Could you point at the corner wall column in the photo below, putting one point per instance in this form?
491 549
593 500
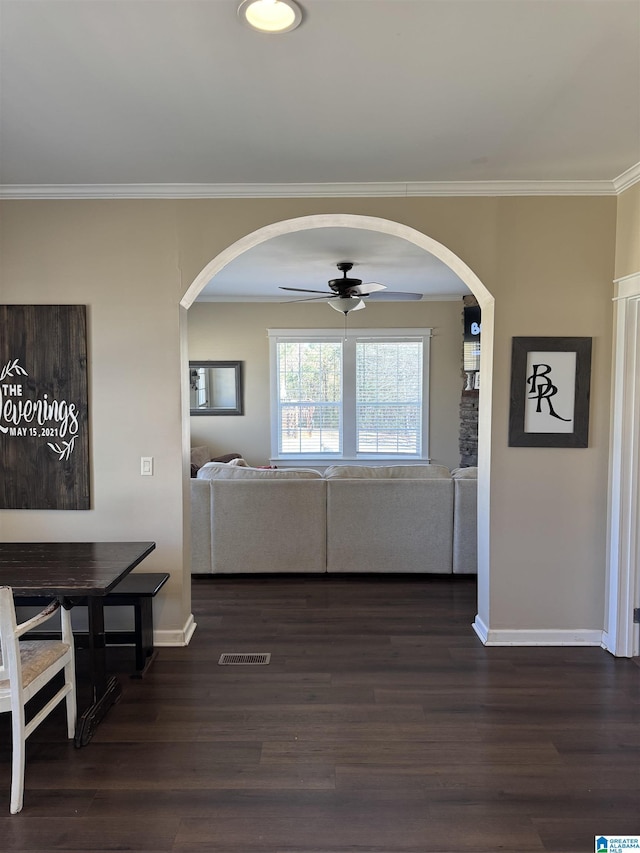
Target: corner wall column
622 636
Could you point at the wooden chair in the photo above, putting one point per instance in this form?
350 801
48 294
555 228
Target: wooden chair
25 668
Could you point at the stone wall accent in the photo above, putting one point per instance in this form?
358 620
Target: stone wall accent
468 442
468 438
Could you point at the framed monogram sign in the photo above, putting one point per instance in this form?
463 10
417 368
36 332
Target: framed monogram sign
550 386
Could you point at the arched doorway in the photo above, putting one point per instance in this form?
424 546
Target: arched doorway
486 302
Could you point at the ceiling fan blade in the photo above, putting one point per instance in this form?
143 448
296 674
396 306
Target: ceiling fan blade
366 289
395 296
311 299
306 290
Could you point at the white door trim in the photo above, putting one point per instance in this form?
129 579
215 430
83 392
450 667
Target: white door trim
621 636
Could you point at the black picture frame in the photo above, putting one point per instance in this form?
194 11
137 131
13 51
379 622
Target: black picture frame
215 388
524 390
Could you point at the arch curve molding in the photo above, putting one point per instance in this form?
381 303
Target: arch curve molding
486 302
338 220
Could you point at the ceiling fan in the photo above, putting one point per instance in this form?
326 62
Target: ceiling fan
351 292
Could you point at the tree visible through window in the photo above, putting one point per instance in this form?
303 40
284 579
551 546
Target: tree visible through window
347 398
309 396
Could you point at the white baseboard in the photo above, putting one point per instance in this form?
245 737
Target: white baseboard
505 637
175 638
537 637
608 642
481 629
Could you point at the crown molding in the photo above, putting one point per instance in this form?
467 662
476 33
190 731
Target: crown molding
324 190
510 188
336 190
627 179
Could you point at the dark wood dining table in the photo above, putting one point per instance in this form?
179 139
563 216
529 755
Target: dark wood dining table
76 573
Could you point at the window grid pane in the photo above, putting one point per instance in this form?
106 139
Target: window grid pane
310 428
389 397
309 397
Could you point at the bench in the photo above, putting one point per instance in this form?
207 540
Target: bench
136 590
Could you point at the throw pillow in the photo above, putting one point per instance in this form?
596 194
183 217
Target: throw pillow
200 455
227 457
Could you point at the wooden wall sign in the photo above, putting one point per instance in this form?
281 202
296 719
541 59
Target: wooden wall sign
44 430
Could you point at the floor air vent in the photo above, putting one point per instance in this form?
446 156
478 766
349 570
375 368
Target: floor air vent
245 659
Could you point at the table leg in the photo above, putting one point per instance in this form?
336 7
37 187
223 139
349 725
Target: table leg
106 689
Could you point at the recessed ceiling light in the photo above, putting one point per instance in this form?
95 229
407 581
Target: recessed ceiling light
270 16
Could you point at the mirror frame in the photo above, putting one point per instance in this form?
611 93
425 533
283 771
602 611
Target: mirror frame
236 366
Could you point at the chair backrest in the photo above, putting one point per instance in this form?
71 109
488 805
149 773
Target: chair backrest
9 654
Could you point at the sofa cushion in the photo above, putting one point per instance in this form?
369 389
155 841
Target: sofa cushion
390 525
268 525
470 473
217 471
387 472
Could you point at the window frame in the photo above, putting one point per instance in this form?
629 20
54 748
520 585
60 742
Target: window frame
348 409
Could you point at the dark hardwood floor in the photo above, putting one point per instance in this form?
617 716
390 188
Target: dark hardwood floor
381 725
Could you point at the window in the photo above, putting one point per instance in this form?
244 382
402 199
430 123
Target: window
360 397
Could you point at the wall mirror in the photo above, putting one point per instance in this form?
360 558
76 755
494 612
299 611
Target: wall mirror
215 387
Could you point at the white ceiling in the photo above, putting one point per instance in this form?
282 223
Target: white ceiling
308 259
176 97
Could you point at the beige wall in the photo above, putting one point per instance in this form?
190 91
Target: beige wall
219 330
548 506
628 233
549 262
118 258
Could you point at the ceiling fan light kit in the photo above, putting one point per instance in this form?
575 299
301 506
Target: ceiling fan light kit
345 304
270 16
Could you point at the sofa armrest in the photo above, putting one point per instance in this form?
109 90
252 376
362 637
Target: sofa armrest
200 527
465 526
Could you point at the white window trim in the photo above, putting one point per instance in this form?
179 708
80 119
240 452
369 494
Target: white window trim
302 335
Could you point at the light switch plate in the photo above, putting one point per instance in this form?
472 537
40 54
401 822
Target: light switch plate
146 466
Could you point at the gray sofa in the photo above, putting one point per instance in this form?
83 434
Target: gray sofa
351 519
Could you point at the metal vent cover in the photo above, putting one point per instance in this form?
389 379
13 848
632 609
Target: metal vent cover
244 659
